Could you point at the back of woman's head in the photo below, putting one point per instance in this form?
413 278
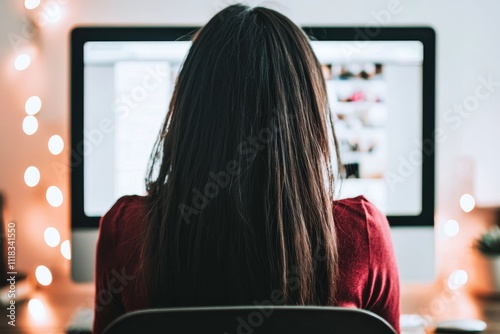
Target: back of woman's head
240 185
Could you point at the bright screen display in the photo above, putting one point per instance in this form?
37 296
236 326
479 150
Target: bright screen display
374 91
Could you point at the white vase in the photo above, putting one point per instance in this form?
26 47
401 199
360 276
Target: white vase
495 269
485 279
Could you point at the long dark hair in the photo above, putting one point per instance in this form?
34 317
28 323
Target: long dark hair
241 182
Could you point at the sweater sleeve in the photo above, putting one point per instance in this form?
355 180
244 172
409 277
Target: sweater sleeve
107 305
383 289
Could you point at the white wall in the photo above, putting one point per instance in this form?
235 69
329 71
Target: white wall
467 50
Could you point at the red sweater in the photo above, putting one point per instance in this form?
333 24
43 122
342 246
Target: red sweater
368 274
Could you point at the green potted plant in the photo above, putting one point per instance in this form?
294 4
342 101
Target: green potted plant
488 242
487 245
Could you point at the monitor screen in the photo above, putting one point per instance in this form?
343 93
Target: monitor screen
128 86
380 94
375 96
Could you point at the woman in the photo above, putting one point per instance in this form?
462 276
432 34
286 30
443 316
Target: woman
240 191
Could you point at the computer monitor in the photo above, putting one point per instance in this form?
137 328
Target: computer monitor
380 84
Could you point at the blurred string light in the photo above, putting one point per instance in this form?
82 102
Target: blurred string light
52 237
467 202
47 12
31 4
36 309
54 13
56 144
43 275
33 105
32 176
451 228
30 125
54 196
22 62
457 279
66 249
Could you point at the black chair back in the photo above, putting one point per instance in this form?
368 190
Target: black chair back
251 320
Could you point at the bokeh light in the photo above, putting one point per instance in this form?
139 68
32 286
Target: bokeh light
66 249
22 62
43 275
36 309
33 105
31 176
31 4
54 196
467 202
54 14
451 228
457 279
56 144
52 236
30 125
